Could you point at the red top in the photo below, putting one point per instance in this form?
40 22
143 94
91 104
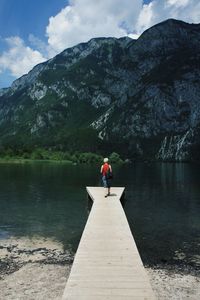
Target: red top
105 169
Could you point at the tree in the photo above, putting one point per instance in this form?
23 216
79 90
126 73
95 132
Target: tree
115 158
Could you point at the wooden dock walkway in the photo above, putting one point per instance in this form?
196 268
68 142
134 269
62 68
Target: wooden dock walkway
107 265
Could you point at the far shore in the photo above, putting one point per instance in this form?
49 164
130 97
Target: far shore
70 162
28 161
49 156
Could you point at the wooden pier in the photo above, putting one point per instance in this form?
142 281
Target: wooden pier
107 264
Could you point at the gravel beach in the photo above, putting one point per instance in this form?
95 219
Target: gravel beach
37 269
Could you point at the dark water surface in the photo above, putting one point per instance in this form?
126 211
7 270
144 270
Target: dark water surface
162 206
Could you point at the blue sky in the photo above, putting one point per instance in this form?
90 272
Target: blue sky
22 18
32 31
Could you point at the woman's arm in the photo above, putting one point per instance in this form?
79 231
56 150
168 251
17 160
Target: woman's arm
101 169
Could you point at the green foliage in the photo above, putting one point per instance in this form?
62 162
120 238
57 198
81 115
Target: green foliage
26 155
115 158
88 158
9 152
37 154
51 155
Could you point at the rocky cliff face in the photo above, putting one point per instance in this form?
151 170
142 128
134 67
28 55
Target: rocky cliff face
139 97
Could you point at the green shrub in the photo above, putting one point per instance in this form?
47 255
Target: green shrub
26 155
115 158
37 154
86 158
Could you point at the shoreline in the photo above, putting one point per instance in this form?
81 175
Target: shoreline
35 268
29 161
38 268
21 160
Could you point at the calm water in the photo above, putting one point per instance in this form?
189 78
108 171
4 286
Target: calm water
162 206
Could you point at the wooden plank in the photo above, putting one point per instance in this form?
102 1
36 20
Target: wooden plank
107 264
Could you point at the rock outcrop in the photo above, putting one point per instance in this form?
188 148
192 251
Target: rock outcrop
138 97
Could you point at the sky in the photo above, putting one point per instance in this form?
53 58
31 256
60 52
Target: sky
32 31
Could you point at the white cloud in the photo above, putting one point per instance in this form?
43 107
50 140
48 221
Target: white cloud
82 20
19 58
178 3
45 49
85 19
160 10
134 36
145 18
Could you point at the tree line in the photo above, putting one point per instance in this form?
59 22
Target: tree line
76 157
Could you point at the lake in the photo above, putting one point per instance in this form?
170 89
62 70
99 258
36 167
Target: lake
162 204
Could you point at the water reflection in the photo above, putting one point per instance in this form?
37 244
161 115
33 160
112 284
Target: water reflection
163 211
161 203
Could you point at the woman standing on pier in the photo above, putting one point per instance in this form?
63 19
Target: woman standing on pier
106 171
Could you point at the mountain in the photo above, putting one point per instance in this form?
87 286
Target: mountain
140 97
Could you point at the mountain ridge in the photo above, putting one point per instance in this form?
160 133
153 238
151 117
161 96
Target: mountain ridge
138 97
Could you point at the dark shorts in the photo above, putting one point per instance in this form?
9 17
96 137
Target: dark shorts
106 182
